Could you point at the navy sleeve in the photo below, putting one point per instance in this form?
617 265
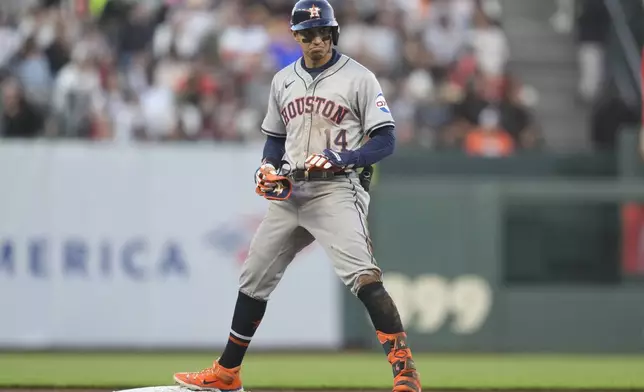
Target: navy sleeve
274 150
380 145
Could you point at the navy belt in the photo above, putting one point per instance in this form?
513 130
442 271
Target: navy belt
316 175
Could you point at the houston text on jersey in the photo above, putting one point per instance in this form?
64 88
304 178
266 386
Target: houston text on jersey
317 105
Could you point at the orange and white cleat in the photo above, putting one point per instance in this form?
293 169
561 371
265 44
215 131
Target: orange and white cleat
406 377
216 378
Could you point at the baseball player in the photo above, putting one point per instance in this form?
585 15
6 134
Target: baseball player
320 110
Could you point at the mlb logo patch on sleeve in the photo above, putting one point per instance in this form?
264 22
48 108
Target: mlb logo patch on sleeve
381 103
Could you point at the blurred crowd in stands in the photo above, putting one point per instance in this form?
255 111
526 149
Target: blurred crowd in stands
200 70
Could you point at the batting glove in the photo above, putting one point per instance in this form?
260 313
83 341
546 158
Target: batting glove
328 160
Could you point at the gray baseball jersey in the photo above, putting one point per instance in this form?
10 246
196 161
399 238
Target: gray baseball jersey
336 110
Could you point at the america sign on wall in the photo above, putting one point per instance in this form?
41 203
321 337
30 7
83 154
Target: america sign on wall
105 246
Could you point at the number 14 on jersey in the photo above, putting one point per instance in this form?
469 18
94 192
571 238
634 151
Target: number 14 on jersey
340 139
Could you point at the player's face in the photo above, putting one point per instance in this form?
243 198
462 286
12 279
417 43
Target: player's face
315 43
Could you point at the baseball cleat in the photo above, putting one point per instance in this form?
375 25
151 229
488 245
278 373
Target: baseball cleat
406 377
216 378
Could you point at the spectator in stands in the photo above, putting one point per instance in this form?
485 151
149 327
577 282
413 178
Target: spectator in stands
382 42
192 25
19 118
10 40
160 112
492 114
283 49
77 93
487 138
517 118
58 52
445 41
245 40
195 84
433 111
136 33
592 27
490 45
120 117
32 69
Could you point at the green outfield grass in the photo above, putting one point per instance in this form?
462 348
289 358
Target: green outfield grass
325 370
